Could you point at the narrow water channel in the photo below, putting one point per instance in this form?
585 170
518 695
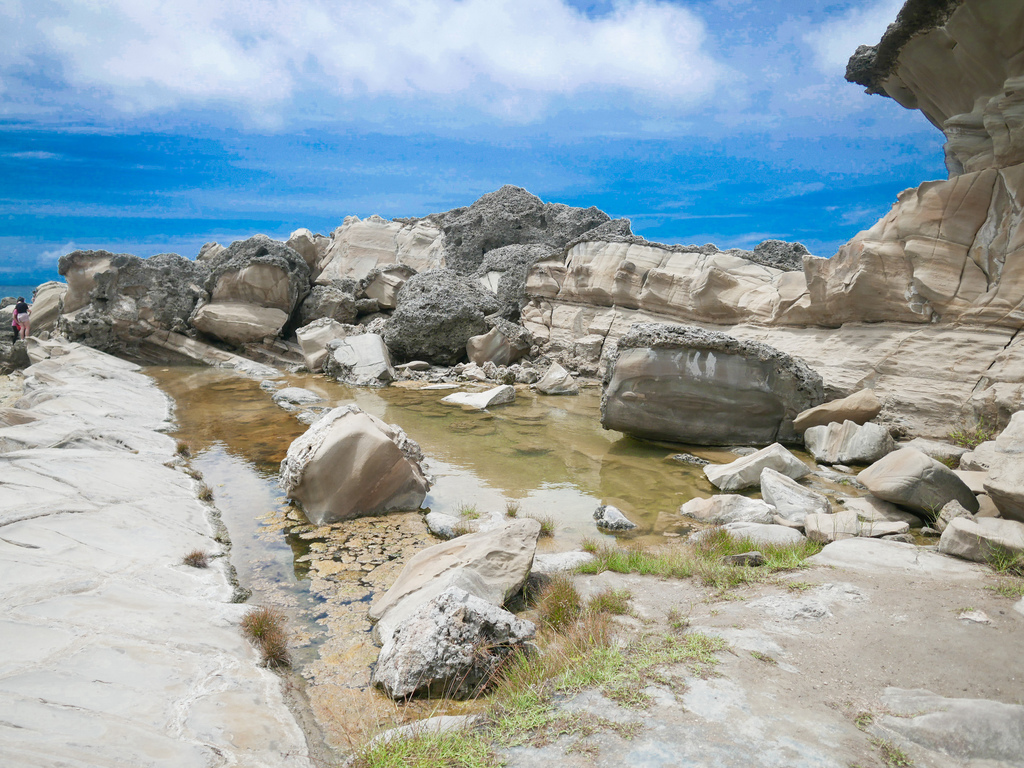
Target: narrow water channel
549 455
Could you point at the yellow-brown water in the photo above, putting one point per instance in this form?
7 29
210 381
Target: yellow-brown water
548 454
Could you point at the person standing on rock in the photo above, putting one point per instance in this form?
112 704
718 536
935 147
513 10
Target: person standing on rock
21 317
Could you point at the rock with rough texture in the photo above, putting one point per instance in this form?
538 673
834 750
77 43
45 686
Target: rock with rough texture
1005 485
360 361
982 539
259 271
492 565
510 216
846 524
611 518
909 478
729 508
350 464
745 472
451 647
360 246
689 385
481 401
848 443
550 563
557 381
968 731
336 302
441 525
114 301
502 345
948 513
503 271
437 313
860 408
790 499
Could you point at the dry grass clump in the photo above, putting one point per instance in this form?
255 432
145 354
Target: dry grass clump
265 628
205 492
183 449
559 604
512 508
197 558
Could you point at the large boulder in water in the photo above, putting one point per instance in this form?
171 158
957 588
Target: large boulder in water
690 385
350 464
437 313
114 300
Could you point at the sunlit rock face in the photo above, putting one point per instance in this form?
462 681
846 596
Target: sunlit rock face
694 386
359 246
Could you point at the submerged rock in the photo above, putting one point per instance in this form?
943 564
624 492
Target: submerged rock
350 464
481 401
452 646
611 518
689 385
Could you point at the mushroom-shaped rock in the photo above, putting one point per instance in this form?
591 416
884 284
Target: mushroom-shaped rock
349 464
691 385
860 408
745 472
848 443
920 483
729 508
451 647
492 565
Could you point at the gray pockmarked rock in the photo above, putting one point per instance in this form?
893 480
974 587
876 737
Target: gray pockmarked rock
848 443
336 302
612 519
860 408
728 508
690 385
949 511
480 401
982 539
920 483
361 361
492 565
436 314
350 464
974 731
745 472
451 647
790 499
689 459
557 381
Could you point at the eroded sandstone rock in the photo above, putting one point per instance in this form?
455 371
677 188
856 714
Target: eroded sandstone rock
746 471
920 483
848 443
982 539
860 407
790 499
361 360
689 385
350 464
557 381
729 508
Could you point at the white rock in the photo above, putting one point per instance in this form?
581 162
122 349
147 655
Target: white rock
314 338
846 524
874 510
745 472
361 360
848 443
558 562
882 556
441 525
728 508
237 323
790 499
481 401
557 381
297 395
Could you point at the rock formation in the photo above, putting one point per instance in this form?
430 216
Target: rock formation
694 386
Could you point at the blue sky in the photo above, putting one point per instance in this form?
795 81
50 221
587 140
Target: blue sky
155 127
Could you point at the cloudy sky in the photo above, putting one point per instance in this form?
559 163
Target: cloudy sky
147 127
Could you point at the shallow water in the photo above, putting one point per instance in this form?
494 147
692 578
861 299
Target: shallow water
547 454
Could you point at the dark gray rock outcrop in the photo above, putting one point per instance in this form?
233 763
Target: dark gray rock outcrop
437 313
779 254
336 301
512 262
229 278
690 385
509 216
115 300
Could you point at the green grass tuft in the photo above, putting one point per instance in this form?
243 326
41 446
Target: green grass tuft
468 511
973 436
458 749
559 603
613 601
512 509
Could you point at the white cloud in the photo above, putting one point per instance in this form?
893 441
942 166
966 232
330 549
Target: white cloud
31 155
836 40
262 55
